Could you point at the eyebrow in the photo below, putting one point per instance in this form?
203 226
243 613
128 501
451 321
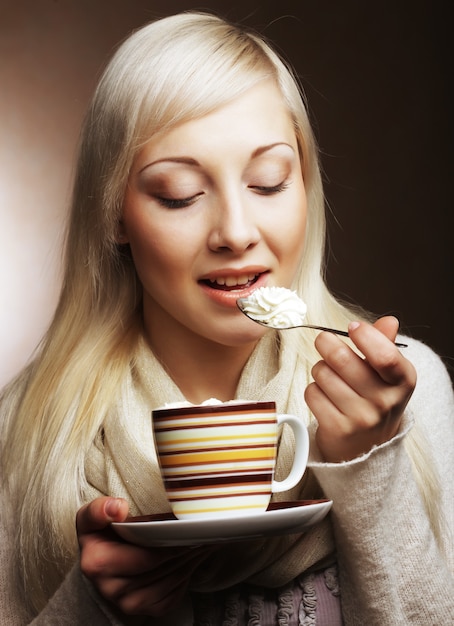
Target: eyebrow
191 161
170 159
261 149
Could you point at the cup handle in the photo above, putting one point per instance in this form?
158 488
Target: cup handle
301 453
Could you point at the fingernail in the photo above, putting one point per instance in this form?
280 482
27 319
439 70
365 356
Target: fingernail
112 507
353 326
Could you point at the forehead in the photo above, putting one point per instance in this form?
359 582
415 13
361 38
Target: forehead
257 117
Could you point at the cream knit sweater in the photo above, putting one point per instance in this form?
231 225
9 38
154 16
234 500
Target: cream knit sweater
391 569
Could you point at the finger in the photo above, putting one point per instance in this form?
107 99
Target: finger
332 435
347 392
154 565
381 353
347 364
99 513
112 558
387 380
322 407
154 601
388 326
160 577
105 558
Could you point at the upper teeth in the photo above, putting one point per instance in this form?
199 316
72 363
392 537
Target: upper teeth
231 281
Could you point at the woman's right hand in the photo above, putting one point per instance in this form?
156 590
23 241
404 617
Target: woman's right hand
137 580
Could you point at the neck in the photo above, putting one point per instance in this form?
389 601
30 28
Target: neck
200 368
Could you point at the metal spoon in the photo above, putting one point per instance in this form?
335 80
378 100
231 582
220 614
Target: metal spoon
241 302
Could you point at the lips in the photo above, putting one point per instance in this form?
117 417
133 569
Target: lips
224 286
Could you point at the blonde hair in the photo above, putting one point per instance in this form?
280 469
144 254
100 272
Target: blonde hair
172 70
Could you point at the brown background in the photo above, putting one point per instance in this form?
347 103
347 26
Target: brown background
377 76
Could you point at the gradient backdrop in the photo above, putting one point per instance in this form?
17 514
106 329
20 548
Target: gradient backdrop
377 76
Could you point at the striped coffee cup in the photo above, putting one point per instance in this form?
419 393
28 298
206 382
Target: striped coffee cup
218 460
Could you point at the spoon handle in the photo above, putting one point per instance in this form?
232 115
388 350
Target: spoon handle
343 333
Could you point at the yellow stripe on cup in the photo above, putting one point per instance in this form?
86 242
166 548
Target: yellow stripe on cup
223 508
218 456
170 441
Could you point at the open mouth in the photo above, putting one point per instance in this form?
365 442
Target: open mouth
231 283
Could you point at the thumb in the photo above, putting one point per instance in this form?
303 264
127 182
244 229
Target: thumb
388 325
99 513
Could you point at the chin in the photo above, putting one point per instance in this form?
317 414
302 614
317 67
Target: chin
244 338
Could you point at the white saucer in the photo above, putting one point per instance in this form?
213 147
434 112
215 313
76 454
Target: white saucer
282 518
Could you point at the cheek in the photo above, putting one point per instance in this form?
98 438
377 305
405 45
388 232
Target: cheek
151 243
292 231
162 256
153 256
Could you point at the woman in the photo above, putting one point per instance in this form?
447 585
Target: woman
198 182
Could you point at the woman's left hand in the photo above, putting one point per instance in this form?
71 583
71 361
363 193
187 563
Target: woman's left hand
359 402
136 580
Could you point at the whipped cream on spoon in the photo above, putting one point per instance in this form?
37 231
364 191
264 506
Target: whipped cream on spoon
282 309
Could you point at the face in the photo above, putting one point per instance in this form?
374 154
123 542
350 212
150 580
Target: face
215 208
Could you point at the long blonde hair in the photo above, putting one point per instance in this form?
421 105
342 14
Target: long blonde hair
172 70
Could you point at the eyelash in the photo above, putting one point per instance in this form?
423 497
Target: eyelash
268 191
177 203
181 203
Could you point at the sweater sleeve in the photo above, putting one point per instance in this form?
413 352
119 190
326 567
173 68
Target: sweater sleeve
393 569
76 602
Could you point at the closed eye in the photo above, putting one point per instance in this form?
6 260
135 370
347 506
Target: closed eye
177 203
268 191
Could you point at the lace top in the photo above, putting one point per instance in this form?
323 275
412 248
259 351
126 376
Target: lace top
311 599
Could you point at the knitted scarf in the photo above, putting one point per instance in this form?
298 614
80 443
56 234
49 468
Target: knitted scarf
122 462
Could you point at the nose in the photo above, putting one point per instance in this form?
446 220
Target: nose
234 227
